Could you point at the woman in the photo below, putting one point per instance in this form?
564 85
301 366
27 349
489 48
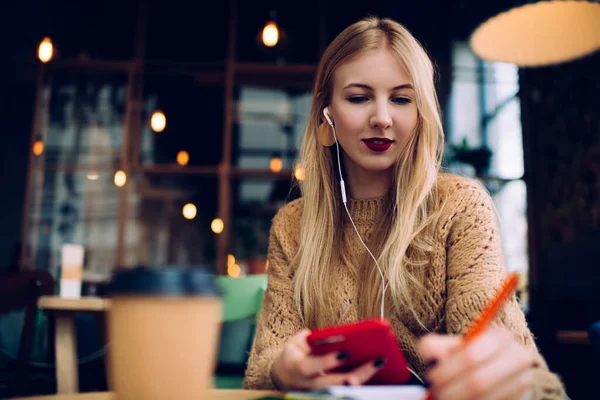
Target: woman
433 237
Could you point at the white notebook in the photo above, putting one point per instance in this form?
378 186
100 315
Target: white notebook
410 392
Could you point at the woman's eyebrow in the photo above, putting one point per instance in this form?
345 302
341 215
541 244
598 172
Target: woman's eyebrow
367 87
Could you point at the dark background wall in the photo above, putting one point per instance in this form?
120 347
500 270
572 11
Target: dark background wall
561 130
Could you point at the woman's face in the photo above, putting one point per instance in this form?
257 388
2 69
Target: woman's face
374 111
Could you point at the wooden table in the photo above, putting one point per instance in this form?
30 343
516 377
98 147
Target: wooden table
64 310
214 394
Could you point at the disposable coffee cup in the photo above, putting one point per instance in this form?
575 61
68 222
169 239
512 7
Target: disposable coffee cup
163 329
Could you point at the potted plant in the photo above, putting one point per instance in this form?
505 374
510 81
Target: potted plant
478 157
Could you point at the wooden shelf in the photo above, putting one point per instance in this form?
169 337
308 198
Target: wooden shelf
297 76
234 172
276 68
93 64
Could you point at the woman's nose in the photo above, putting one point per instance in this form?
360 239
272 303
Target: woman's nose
381 117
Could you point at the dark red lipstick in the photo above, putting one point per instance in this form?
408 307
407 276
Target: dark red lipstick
378 144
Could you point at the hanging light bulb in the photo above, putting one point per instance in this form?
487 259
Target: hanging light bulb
270 34
183 158
234 271
120 178
299 172
230 260
189 211
217 225
158 121
38 147
275 165
93 176
45 50
271 38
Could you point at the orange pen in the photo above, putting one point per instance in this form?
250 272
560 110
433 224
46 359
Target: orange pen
488 313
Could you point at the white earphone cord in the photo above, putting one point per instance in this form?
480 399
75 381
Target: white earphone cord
384 285
343 189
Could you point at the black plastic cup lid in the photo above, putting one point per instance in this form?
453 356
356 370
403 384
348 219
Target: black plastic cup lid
164 281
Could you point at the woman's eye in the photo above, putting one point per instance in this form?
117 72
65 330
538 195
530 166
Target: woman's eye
401 100
358 99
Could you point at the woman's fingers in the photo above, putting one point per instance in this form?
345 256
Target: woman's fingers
320 365
356 377
490 382
299 340
362 374
296 368
435 347
284 369
461 360
492 367
300 367
519 387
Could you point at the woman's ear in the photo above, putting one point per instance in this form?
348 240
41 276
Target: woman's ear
326 130
326 117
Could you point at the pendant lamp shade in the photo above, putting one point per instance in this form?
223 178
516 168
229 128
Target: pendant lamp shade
540 33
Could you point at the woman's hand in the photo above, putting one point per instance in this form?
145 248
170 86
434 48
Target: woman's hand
294 368
493 366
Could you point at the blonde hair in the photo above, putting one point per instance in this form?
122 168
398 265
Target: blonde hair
401 246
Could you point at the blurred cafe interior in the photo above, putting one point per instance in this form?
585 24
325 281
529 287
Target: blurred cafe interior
147 132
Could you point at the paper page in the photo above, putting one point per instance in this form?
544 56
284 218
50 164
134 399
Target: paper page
408 392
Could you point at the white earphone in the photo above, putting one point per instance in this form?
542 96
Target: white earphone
344 200
327 117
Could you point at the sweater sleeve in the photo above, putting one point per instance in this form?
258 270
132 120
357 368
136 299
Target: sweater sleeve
279 318
475 269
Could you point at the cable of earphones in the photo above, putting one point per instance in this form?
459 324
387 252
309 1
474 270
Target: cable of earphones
343 189
344 199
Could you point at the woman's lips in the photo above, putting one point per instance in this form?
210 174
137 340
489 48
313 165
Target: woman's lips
378 144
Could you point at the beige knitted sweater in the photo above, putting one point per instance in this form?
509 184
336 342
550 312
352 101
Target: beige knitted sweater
465 269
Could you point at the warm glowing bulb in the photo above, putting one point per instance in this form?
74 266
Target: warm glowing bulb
38 147
299 172
230 260
120 178
189 211
276 164
158 121
45 50
183 158
217 225
234 271
270 34
93 176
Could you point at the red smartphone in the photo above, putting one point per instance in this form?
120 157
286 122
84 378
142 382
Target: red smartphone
364 341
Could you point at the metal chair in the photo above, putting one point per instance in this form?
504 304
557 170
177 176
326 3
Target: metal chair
242 301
